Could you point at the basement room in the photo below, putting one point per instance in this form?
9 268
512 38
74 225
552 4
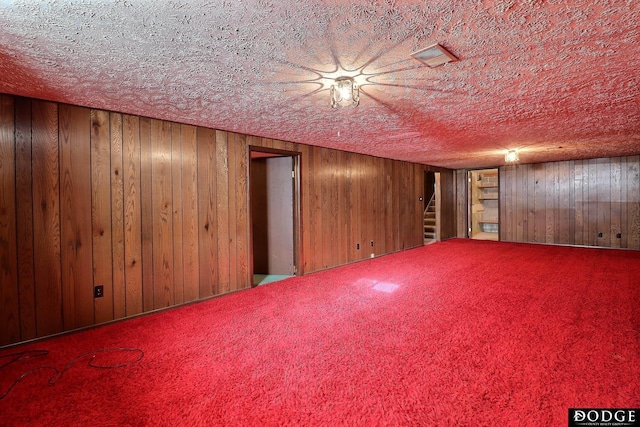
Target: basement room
319 213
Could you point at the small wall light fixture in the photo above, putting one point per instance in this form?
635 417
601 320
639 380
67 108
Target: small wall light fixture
344 93
511 156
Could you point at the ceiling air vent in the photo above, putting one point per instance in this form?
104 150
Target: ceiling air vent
434 55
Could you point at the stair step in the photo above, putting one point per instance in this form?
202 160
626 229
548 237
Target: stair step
429 223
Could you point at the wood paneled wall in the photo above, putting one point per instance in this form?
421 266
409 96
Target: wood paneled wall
349 199
582 202
447 205
462 209
158 213
568 202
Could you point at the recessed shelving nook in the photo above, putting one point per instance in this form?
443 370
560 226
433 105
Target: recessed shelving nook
483 204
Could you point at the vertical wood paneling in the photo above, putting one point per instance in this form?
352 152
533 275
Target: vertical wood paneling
352 200
587 237
511 205
592 206
328 238
25 219
509 222
117 217
101 211
571 205
521 204
624 195
616 202
232 248
9 296
398 184
343 212
162 206
579 202
305 207
367 207
177 213
405 208
244 279
133 252
143 204
208 212
75 206
417 204
146 213
448 208
378 207
315 210
223 209
390 220
191 261
563 232
46 218
531 203
365 201
633 201
461 204
411 199
571 202
502 207
550 201
334 251
603 189
540 230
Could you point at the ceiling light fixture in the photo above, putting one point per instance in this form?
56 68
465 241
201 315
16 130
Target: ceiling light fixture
344 93
434 55
511 156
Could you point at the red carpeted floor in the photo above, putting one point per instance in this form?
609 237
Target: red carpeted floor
456 333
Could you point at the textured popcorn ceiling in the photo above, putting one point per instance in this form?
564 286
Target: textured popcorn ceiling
554 80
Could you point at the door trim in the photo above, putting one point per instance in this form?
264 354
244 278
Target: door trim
297 215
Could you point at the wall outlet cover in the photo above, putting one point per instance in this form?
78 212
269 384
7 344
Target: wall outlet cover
98 291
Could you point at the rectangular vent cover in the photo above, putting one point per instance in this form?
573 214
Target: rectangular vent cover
434 56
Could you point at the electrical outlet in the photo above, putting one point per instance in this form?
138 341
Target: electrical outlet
373 255
98 291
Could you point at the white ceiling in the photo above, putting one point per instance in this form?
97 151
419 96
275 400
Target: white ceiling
557 81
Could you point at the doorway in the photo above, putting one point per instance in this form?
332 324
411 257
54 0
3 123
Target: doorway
483 197
430 213
274 196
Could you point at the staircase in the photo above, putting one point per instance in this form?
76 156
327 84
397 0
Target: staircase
429 221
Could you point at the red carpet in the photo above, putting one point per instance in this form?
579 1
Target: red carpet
456 333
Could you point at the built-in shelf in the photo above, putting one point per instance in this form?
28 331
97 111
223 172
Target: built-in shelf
484 192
